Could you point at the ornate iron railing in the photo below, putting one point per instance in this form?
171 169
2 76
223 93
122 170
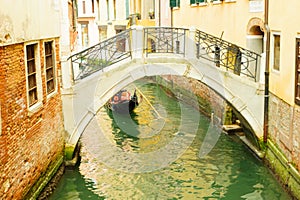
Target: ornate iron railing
101 55
164 40
222 53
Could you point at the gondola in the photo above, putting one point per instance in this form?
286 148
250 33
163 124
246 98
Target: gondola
122 102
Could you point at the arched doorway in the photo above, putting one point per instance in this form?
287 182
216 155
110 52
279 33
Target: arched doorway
255 35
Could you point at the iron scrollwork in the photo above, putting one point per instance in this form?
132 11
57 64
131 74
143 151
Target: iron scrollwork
164 40
102 55
234 58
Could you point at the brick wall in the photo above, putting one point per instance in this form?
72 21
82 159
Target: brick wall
29 141
284 128
208 100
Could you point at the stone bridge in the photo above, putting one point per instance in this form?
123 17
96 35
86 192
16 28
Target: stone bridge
93 75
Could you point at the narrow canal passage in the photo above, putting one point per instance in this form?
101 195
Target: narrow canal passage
155 154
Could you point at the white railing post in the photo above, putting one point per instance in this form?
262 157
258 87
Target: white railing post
190 45
137 42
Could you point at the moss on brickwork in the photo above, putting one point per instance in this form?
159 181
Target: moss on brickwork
284 171
69 152
44 179
187 96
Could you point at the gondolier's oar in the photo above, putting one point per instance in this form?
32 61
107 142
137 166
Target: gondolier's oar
144 97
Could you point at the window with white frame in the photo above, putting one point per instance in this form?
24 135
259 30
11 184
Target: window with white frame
33 73
50 67
276 52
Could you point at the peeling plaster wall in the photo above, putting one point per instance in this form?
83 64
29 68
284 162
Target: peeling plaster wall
28 20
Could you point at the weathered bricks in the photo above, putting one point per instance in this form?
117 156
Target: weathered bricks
29 140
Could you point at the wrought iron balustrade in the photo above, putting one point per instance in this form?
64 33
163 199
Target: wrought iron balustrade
101 55
164 40
234 58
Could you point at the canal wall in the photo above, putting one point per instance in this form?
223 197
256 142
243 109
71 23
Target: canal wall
212 105
208 101
283 149
281 153
31 137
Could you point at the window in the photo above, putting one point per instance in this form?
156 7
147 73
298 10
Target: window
107 9
115 10
174 3
197 1
276 54
297 77
50 70
93 6
31 74
83 7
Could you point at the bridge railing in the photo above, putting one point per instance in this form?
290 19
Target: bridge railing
101 55
164 40
153 40
234 58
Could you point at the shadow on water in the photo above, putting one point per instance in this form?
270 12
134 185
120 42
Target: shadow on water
74 186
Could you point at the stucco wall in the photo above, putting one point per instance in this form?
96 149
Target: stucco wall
27 20
214 18
282 82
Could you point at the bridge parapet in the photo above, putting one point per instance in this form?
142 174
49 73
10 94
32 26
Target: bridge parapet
139 42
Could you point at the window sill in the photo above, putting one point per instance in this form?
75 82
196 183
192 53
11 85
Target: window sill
35 108
217 2
199 4
230 1
52 94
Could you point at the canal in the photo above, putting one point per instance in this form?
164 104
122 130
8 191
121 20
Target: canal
164 150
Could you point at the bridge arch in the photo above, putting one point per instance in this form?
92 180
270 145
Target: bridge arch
101 70
92 93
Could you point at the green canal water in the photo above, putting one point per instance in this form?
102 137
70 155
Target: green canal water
165 150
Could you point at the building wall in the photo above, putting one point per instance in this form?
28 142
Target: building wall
162 13
282 81
32 137
28 20
231 18
30 140
284 125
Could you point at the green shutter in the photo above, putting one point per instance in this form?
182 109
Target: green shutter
192 1
174 3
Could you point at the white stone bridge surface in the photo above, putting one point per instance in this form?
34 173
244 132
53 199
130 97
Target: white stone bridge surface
94 75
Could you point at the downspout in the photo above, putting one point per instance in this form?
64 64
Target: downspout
267 73
171 16
159 8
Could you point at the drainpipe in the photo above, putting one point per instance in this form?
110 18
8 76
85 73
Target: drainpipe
267 73
159 9
171 16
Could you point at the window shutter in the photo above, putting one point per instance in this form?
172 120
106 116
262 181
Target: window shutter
174 3
192 1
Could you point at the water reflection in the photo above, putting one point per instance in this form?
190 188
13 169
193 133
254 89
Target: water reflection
131 163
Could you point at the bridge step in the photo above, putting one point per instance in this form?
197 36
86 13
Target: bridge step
232 128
